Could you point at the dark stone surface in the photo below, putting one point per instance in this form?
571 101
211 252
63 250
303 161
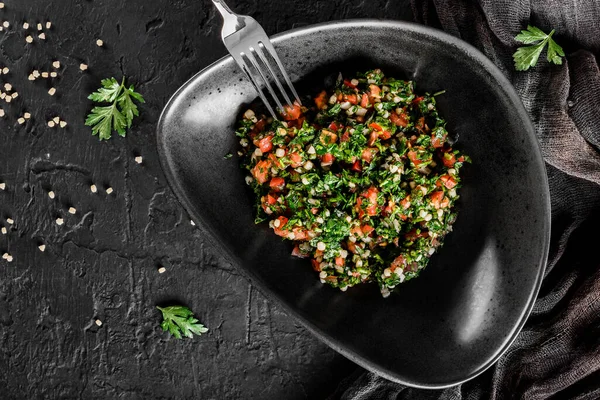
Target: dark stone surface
102 263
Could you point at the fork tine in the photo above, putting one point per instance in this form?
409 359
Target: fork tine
261 55
252 60
271 50
256 84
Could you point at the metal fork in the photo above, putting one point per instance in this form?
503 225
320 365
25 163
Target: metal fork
251 48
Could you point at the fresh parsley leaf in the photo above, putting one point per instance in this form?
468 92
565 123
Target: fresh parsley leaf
527 56
119 115
227 156
178 320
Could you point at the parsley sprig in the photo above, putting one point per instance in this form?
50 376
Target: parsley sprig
117 116
527 56
178 320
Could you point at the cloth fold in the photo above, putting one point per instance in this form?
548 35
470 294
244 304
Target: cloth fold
557 354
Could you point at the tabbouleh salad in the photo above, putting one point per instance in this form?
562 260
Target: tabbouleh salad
364 182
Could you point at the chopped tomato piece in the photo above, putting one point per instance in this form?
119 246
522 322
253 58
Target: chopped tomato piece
316 265
389 208
351 247
405 202
339 261
367 229
321 100
413 235
448 181
372 138
271 199
397 263
277 183
314 210
370 196
356 231
345 136
385 135
279 229
445 203
327 159
375 90
399 120
448 159
348 83
412 155
375 126
437 142
296 160
334 126
261 171
368 154
300 233
364 101
417 100
461 159
351 98
265 144
297 253
436 198
291 112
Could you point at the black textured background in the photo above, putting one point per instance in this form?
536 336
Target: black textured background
102 263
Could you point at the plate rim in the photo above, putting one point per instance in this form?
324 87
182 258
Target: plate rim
498 79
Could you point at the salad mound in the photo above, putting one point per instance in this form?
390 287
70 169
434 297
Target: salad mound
364 182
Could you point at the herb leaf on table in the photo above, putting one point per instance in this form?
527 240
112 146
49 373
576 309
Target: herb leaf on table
527 56
178 320
115 117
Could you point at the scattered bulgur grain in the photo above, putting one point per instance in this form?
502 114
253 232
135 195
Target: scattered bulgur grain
42 36
51 124
1 112
192 223
51 194
59 221
98 322
53 74
10 221
14 95
5 256
31 77
27 115
4 231
56 120
109 190
48 25
2 185
52 91
21 121
29 39
42 247
8 87
25 25
162 270
36 73
9 258
56 64
5 70
83 66
93 188
99 43
139 159
1 5
8 98
72 210
45 75
62 124
6 24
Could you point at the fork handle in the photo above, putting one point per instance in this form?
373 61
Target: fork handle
230 19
